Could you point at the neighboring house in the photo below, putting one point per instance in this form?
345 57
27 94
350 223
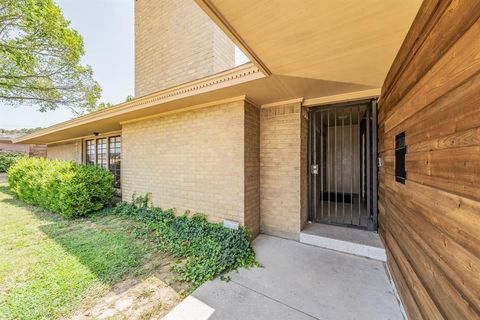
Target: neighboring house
294 135
7 145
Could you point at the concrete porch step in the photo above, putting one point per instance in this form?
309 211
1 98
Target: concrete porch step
348 240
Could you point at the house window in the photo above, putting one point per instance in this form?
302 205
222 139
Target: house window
102 153
90 152
105 153
114 158
400 152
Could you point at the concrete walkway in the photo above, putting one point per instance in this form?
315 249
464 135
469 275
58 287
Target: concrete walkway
297 281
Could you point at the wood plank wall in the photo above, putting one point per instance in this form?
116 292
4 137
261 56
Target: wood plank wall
431 224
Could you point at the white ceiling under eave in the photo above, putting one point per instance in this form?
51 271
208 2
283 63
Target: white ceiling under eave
345 41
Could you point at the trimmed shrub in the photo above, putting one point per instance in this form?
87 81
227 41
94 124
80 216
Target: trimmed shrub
65 187
7 159
208 249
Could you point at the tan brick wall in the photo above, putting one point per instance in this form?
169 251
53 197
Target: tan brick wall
252 169
176 42
66 151
16 147
230 161
304 168
38 150
192 160
223 51
283 202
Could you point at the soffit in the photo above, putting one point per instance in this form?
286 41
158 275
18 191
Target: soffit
336 40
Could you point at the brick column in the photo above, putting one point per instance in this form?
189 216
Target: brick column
283 169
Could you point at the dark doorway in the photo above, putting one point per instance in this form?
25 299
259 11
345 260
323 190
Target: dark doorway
343 164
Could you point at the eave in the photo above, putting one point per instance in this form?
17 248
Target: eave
245 82
156 103
347 41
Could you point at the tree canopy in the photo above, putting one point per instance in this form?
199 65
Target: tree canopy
40 58
19 131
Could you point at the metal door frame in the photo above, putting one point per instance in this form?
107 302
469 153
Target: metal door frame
371 163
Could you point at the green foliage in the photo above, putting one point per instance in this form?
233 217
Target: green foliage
52 268
100 106
20 131
65 187
7 159
106 105
40 58
208 249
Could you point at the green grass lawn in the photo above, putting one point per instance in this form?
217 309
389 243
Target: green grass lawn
51 267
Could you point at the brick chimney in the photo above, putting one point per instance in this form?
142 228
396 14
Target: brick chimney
176 42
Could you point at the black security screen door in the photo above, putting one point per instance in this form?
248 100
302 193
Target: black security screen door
343 165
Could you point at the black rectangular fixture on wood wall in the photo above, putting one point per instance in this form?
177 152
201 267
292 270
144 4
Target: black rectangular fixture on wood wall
400 152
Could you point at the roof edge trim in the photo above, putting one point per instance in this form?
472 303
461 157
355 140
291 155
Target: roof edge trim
342 97
281 103
240 74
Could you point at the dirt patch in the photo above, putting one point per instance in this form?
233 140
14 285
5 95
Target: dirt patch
3 178
150 298
150 293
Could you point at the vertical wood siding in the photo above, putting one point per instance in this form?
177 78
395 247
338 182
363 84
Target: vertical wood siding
431 224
